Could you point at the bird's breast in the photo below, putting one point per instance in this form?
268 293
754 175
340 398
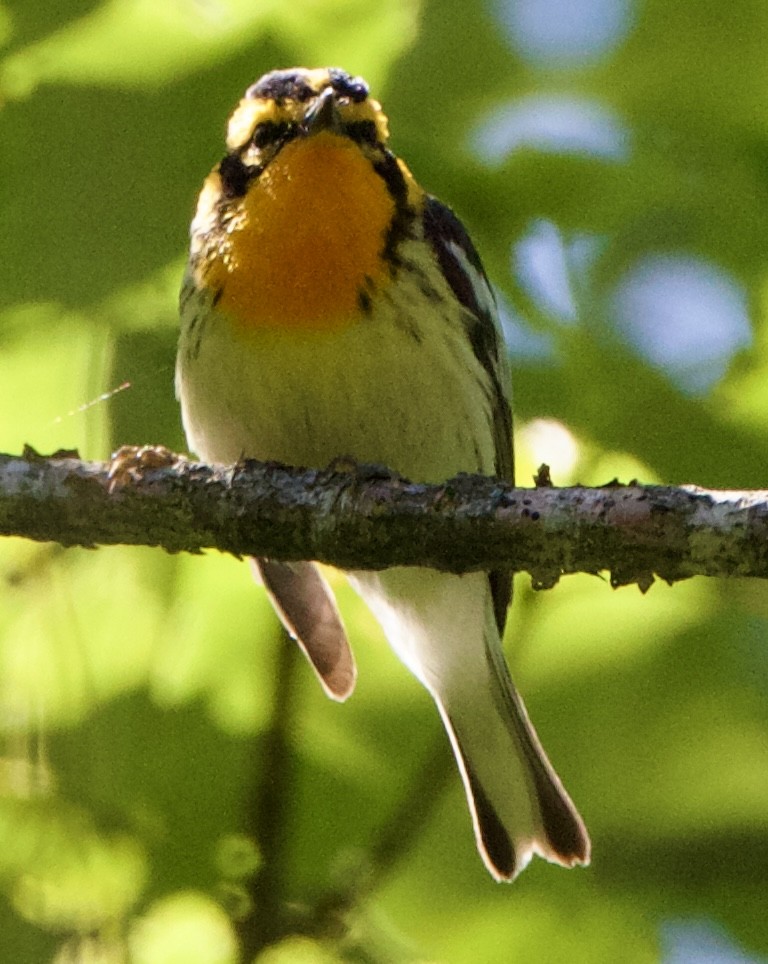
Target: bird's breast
303 249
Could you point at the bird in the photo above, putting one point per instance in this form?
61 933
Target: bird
332 308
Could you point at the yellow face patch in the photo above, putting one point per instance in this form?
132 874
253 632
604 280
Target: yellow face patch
251 112
306 240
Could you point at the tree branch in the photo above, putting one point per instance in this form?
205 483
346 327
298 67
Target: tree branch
363 517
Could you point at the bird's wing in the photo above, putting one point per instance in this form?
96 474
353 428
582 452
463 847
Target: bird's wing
464 272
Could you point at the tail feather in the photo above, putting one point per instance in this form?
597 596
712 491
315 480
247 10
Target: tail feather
566 836
307 608
518 804
495 845
444 629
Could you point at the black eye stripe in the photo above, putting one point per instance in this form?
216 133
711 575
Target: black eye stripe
363 132
270 132
237 175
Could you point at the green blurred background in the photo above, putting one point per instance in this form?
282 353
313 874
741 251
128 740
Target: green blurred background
170 777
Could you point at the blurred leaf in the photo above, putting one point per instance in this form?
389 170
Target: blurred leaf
66 876
184 928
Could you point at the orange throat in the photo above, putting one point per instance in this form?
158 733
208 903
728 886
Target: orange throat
304 250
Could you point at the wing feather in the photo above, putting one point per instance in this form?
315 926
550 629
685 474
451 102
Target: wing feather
464 272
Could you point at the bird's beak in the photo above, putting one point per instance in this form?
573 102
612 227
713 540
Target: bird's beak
323 115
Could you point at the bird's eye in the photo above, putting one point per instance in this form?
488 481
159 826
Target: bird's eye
363 132
269 132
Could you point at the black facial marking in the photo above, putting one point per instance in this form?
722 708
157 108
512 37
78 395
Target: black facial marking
388 169
362 132
269 132
280 85
364 300
234 177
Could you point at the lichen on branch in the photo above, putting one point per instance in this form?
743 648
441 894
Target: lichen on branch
364 517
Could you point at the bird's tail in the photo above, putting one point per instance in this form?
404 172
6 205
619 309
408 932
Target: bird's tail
443 628
519 806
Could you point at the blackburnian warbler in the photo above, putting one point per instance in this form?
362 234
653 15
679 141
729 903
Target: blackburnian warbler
333 308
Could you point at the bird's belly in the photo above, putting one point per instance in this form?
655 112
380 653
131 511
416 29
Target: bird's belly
412 398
